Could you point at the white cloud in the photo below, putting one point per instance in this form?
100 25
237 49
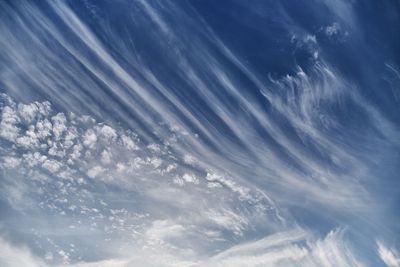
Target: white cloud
43 128
389 256
237 185
59 125
51 165
14 256
89 138
28 112
228 220
95 171
186 178
332 30
106 157
292 248
107 133
29 140
190 178
162 229
33 159
128 142
8 124
11 162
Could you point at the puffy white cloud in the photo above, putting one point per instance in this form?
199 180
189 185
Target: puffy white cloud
33 159
43 128
332 29
29 140
10 162
186 178
107 133
59 125
28 112
89 138
95 171
8 125
128 142
51 165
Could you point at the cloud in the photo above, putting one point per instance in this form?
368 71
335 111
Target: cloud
332 30
184 157
8 129
14 256
73 155
388 256
292 248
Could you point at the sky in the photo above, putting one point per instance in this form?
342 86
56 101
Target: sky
199 133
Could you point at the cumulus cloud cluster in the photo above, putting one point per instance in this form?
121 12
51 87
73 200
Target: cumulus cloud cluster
57 163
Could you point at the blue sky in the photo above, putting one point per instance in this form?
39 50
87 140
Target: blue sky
199 133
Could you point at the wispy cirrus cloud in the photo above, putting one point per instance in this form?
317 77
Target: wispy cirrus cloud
140 129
